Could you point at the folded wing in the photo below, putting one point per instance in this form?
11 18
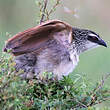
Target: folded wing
35 38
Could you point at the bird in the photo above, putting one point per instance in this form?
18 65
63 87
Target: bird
53 47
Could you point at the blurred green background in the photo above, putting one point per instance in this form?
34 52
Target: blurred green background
18 15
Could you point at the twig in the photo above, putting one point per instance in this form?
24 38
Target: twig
105 99
43 12
81 104
54 6
97 89
102 81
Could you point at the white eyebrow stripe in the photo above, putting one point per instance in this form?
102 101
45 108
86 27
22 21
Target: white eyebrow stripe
92 35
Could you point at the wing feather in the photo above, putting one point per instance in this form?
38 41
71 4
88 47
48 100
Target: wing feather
36 37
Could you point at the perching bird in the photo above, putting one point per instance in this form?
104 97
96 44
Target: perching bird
53 46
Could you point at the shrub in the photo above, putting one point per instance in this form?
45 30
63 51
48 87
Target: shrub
47 94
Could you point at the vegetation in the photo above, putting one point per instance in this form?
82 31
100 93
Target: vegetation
47 94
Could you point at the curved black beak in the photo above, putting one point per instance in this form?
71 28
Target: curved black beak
102 42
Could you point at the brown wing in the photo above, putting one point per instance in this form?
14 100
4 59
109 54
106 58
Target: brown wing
36 37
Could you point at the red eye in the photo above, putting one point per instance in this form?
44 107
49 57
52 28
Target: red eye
95 38
92 38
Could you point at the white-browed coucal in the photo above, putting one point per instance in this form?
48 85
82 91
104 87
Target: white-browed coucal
53 46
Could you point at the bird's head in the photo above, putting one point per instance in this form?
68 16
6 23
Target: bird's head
86 39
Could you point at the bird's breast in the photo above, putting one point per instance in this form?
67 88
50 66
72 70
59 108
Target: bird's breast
66 67
74 58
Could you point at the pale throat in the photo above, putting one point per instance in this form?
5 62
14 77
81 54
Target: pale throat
74 57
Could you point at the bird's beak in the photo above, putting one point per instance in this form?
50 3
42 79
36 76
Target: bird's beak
102 42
